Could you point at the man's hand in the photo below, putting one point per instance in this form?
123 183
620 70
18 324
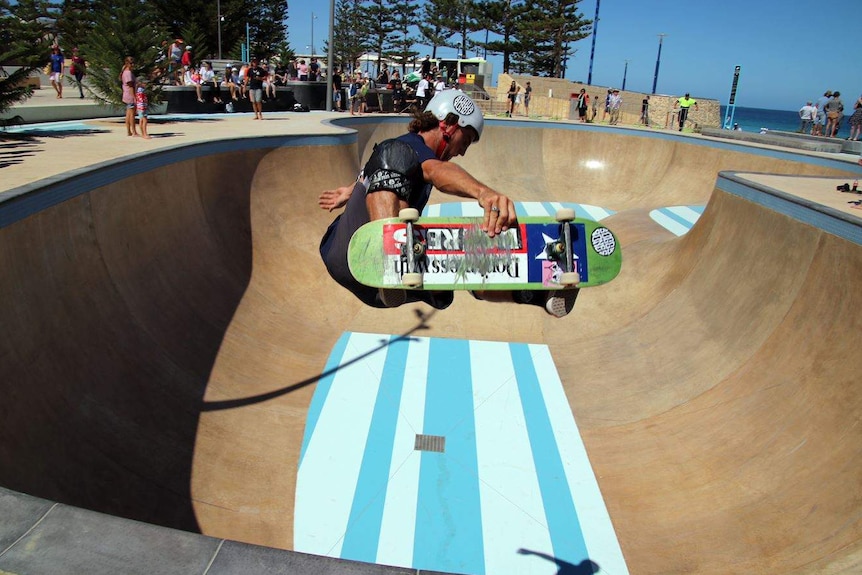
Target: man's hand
499 212
334 199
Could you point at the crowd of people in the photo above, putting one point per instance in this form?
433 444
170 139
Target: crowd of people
825 116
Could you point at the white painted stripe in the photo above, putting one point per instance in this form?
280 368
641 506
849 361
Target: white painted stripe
594 212
512 509
532 208
399 512
596 526
669 223
685 213
329 472
472 210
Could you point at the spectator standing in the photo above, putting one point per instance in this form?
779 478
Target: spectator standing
78 68
607 105
645 111
856 121
336 89
302 69
127 79
595 108
141 105
57 65
422 91
834 113
175 57
313 70
254 79
807 115
528 95
820 119
439 84
511 94
615 104
582 103
684 104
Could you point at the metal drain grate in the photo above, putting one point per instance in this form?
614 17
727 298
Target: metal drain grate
435 443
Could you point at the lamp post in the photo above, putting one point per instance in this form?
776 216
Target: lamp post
313 18
657 62
625 72
593 49
219 17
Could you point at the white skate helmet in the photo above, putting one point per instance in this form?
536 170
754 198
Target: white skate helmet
460 104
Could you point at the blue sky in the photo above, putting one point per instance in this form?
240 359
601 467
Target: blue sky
789 52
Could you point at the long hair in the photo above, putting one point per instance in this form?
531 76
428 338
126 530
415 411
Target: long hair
427 121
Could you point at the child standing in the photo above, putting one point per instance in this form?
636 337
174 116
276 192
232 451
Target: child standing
141 105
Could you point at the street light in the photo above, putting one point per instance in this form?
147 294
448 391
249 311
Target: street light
593 49
313 18
625 71
219 19
657 62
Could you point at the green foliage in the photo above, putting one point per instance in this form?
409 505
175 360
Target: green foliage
75 22
126 29
26 36
352 32
546 31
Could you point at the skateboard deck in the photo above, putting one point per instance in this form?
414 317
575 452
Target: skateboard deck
455 254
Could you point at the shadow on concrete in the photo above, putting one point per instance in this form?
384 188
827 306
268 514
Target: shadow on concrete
422 324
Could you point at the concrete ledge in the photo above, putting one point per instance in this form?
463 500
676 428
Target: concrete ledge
847 146
39 536
777 139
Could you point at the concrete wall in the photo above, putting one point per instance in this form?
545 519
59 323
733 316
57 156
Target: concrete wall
551 99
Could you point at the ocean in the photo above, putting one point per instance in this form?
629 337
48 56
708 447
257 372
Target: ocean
753 119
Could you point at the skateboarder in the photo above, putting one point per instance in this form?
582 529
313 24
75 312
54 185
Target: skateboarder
399 174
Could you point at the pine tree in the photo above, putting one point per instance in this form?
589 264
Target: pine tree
351 33
546 32
126 29
435 24
75 22
502 17
400 48
27 32
381 14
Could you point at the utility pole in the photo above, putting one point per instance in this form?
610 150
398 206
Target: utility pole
593 49
657 62
625 72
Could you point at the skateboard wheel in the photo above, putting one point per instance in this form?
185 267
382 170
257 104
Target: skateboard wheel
565 215
413 280
408 214
570 279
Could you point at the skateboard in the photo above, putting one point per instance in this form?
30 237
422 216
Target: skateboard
540 253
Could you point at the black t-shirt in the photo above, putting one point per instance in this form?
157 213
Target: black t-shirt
256 76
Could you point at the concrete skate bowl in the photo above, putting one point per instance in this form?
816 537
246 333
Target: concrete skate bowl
166 318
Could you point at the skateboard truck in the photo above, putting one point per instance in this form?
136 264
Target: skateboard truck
412 250
561 251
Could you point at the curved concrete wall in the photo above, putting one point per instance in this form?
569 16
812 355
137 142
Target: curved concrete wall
165 322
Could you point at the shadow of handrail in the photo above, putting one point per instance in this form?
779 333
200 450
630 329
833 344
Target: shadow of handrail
260 398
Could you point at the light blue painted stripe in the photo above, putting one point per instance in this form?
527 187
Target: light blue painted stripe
677 217
594 213
329 472
449 516
397 532
550 210
450 210
513 516
566 535
686 213
599 535
366 513
667 222
324 385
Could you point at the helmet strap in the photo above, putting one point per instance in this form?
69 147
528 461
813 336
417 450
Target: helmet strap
447 130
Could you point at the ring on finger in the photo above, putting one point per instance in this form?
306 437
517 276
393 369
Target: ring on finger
495 209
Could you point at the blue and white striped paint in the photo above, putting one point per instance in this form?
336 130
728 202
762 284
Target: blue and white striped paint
514 474
677 219
472 209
